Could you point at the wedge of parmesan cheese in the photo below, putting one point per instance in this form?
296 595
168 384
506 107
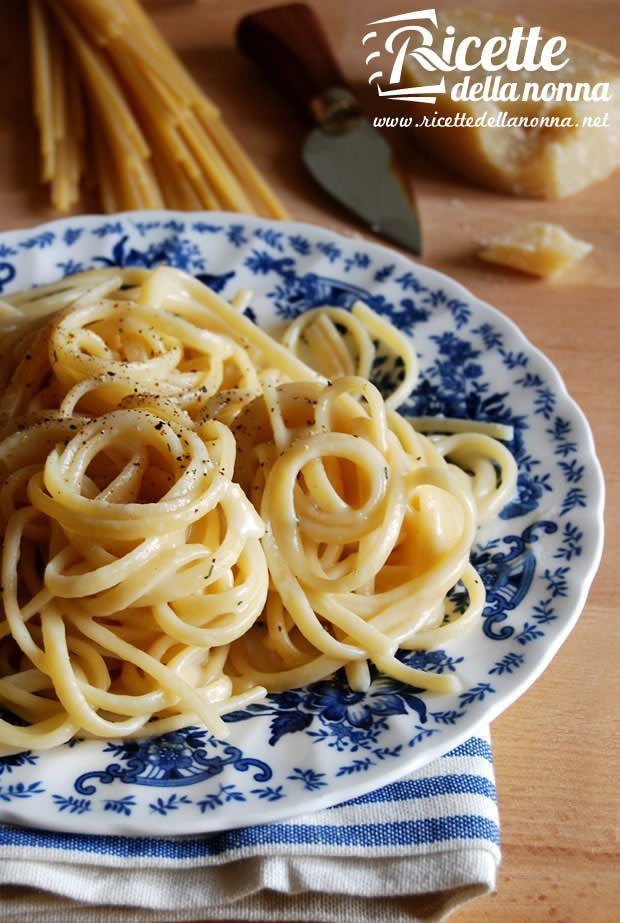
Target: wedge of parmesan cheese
537 248
546 161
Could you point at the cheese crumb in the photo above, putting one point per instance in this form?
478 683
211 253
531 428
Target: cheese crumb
538 248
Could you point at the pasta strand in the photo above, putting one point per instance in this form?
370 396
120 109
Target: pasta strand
194 514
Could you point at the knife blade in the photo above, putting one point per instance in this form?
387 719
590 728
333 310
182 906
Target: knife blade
345 154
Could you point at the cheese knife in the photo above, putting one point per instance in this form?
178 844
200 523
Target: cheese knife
349 158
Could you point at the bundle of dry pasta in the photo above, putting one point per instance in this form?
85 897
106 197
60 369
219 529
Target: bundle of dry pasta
155 138
193 513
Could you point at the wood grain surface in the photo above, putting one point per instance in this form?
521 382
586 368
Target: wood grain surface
555 749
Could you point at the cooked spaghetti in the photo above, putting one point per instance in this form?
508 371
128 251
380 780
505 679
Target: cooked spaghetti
194 513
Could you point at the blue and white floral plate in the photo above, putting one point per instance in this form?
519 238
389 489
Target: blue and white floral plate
315 747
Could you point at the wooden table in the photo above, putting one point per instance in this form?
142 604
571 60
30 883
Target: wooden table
554 748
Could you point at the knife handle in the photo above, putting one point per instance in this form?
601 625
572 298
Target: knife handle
289 44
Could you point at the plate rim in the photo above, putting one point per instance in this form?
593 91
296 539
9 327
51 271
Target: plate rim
417 759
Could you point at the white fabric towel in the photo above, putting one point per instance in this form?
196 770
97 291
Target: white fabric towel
413 850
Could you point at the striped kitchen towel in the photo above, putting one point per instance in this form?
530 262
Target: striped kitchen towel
413 850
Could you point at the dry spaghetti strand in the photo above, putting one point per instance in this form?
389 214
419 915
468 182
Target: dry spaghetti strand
155 137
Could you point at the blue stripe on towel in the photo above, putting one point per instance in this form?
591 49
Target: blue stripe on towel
475 746
428 788
394 833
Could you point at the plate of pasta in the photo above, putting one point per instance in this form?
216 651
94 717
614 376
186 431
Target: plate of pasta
284 517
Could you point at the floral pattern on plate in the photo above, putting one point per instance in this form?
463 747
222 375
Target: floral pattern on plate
310 748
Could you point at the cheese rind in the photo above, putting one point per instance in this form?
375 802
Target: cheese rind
544 162
538 248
